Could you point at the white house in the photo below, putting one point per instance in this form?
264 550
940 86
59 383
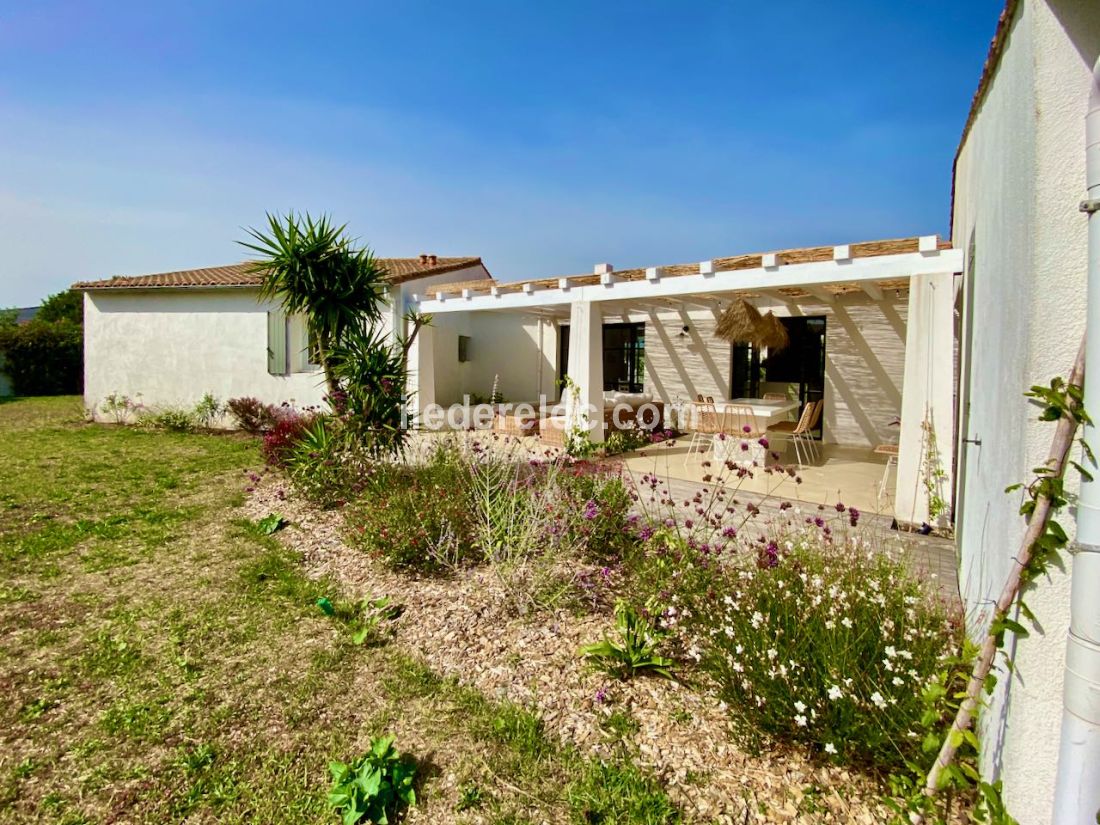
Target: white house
170 337
871 324
1020 177
945 336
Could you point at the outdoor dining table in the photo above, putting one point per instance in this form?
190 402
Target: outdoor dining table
766 413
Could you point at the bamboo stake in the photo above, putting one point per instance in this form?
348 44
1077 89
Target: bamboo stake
1059 452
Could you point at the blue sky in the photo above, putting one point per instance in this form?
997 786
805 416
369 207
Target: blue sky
545 137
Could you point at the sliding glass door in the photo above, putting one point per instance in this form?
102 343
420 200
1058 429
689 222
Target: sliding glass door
623 356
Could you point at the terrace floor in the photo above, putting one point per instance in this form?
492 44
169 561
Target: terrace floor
850 475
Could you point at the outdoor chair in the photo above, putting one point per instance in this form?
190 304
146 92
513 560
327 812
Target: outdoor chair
743 423
815 422
775 396
798 433
891 453
704 426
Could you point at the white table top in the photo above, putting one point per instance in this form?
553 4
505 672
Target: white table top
760 406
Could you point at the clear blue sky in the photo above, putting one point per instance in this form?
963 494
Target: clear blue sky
544 136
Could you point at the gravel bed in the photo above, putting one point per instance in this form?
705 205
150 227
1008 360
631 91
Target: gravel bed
462 627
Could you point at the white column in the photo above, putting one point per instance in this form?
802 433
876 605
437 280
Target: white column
584 401
927 396
421 366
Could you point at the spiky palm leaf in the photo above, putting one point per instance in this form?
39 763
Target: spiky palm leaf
310 267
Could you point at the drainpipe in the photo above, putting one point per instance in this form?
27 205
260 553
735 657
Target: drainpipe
1077 793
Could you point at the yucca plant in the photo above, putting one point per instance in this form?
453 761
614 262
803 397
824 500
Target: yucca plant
311 267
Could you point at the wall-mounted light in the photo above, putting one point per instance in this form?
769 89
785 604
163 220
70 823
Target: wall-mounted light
684 330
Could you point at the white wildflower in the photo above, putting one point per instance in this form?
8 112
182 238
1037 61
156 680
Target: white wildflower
830 748
800 721
835 692
878 701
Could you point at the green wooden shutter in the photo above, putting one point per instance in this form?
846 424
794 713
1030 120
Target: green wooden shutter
276 343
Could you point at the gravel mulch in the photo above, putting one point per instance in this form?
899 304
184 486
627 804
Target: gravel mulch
462 627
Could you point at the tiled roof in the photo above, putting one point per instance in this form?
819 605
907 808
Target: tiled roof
866 249
242 275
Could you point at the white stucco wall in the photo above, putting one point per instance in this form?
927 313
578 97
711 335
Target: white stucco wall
518 350
167 347
1019 178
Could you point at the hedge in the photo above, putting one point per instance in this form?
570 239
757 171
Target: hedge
44 358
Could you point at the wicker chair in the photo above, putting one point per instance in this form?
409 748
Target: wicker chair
705 425
798 433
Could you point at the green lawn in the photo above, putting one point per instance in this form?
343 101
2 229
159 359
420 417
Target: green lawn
161 660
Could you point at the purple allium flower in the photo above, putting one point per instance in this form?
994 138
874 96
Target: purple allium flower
729 532
590 510
601 695
853 516
819 521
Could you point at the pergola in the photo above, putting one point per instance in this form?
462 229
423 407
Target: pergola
926 266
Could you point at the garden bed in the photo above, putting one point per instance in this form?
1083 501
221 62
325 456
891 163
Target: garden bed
462 625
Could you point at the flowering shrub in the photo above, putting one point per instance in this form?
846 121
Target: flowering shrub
415 516
826 645
322 464
286 431
592 506
251 414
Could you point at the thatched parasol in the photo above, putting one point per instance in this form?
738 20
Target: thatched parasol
773 334
740 324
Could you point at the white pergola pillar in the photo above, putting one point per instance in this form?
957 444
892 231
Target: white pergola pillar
421 366
927 396
584 402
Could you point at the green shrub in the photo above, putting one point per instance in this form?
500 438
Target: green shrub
208 410
44 358
373 788
600 505
633 648
173 419
829 645
323 465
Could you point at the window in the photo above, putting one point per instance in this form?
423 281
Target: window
623 356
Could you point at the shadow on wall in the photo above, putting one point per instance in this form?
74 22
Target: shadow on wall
683 366
864 365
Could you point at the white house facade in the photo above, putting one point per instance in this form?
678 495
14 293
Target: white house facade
167 339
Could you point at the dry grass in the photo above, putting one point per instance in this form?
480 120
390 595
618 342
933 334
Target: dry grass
163 661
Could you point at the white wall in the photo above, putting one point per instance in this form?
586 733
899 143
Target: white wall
170 346
520 350
1019 179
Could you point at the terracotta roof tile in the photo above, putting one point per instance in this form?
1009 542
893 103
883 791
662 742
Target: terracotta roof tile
242 275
